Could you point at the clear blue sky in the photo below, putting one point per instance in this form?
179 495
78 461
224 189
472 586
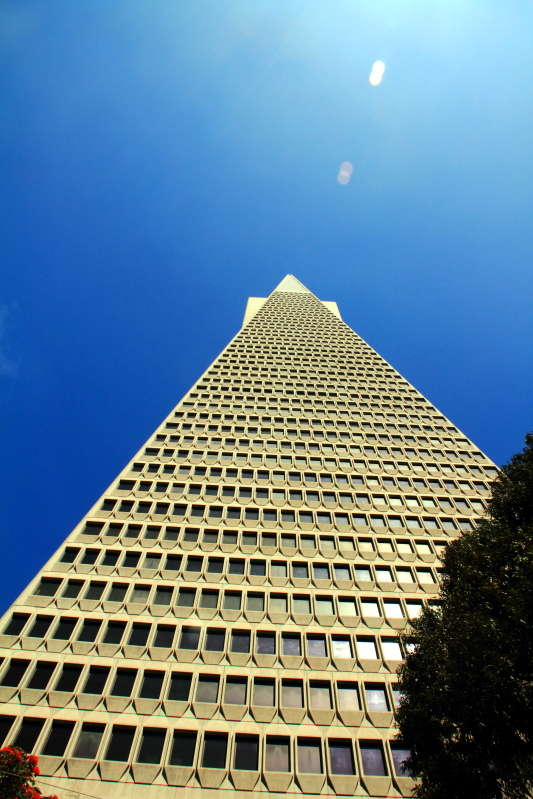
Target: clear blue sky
162 160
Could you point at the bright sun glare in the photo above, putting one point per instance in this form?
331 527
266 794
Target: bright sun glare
377 73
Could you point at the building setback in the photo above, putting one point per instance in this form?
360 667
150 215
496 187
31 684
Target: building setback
225 617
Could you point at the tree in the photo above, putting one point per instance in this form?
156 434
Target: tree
467 680
17 775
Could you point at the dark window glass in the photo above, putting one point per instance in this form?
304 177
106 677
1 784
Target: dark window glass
316 646
110 558
373 760
41 676
215 747
399 756
215 640
124 681
163 596
183 747
40 626
258 568
291 645
173 563
266 644
15 672
48 587
139 634
131 560
320 571
164 636
69 677
152 684
114 632
96 680
240 641
180 687
215 565
190 637
117 592
28 733
72 589
90 629
194 564
209 599
152 745
341 757
6 722
120 743
17 623
186 597
90 556
236 566
246 752
65 628
69 555
58 738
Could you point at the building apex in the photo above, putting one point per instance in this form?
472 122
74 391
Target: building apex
292 284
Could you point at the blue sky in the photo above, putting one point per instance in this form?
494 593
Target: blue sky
162 161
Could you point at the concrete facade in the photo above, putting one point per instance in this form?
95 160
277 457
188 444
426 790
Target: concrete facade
225 616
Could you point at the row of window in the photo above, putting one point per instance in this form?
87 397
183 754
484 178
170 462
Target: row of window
187 748
369 420
300 446
96 591
327 479
187 637
134 559
304 518
339 696
246 493
267 541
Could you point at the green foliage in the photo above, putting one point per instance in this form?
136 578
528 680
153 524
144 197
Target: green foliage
467 682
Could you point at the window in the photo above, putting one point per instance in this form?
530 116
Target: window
256 602
246 752
15 672
183 748
69 677
373 759
180 686
151 745
152 684
320 694
90 630
124 681
376 697
240 641
347 607
341 757
58 738
266 644
215 748
316 646
277 754
120 743
215 640
290 645
190 637
17 624
291 693
341 647
114 632
139 634
47 587
299 570
363 574
391 649
399 756
232 600
263 695
207 690
89 740
186 597
96 680
235 693
324 606
366 648
309 756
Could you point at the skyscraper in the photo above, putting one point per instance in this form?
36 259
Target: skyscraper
225 616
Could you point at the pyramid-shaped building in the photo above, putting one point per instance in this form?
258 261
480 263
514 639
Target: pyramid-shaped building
225 617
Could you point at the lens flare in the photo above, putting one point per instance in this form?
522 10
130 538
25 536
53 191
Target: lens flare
345 173
378 68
